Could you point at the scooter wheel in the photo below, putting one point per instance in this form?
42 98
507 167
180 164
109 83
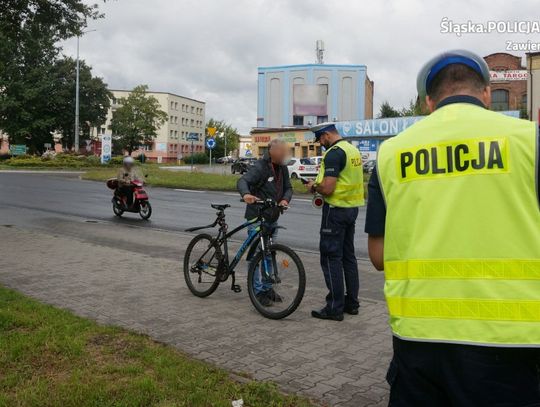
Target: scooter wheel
145 210
117 210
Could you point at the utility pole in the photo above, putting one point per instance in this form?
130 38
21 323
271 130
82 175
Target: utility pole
225 139
76 138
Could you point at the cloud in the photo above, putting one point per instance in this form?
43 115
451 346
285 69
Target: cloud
210 49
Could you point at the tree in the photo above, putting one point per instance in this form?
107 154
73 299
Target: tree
388 111
30 31
94 98
138 119
415 108
224 132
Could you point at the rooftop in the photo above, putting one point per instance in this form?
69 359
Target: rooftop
162 93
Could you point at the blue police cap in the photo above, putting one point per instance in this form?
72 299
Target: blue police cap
322 128
435 65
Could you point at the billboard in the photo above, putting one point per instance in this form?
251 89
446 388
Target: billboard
310 100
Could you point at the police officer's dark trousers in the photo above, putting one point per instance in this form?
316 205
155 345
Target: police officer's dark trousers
338 261
424 374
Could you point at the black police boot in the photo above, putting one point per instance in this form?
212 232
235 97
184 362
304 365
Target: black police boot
351 310
324 314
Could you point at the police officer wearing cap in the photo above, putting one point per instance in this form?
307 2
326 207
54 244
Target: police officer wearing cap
454 220
340 182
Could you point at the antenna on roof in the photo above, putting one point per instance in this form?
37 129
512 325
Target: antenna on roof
319 50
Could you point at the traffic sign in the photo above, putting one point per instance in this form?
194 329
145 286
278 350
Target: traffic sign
211 143
17 149
211 130
192 137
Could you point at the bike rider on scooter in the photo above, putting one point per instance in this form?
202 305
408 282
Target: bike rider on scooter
126 175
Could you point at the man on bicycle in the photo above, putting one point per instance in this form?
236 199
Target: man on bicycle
267 179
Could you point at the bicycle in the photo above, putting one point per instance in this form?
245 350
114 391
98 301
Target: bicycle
206 263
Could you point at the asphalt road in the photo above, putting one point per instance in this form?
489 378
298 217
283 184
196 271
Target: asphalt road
55 195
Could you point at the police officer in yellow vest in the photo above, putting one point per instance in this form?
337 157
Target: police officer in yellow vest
340 182
459 241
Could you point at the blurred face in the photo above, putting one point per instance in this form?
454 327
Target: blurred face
278 153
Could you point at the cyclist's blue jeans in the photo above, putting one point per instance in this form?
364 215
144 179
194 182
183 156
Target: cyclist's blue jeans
258 284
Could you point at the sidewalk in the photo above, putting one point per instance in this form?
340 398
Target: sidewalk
134 280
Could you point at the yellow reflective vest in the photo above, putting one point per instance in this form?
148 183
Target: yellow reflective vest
462 238
349 192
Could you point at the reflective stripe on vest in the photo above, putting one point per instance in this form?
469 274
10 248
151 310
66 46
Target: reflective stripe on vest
349 192
462 239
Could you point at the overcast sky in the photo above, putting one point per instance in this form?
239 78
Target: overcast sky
210 49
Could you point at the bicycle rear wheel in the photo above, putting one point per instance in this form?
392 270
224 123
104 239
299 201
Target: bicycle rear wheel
276 282
201 265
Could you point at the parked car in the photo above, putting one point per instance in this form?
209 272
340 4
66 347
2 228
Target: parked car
302 167
225 160
242 165
369 165
317 160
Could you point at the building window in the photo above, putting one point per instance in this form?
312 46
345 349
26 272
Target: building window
322 119
499 100
191 122
298 120
523 101
172 133
172 105
175 105
171 119
192 109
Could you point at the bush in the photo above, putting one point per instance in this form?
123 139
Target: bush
59 161
117 160
199 158
4 157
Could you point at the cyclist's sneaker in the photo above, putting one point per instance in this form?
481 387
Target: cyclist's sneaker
274 297
263 299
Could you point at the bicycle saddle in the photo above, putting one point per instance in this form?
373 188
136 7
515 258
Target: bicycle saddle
220 207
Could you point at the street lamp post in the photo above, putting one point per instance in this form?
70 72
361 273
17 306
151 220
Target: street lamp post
76 138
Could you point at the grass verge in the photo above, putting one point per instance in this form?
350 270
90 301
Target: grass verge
181 179
49 357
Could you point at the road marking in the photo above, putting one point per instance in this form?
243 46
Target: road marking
190 190
302 199
230 194
39 172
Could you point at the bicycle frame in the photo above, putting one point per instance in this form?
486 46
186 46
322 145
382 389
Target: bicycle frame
221 240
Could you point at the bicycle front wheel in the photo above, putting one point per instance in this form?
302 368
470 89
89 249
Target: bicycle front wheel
276 282
201 264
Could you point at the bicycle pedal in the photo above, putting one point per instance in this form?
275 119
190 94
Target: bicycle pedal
236 288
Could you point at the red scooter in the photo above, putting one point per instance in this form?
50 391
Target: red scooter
140 203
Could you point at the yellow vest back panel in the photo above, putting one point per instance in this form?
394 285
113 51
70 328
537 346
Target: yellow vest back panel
462 239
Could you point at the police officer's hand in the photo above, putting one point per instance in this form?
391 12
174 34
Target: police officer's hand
250 199
309 186
284 203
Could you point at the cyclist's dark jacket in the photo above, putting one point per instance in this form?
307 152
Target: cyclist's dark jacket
265 180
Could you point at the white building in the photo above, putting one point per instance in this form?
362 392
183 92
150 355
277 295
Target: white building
185 116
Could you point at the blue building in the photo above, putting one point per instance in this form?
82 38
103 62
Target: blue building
303 95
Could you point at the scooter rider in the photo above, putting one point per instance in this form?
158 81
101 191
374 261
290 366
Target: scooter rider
125 176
